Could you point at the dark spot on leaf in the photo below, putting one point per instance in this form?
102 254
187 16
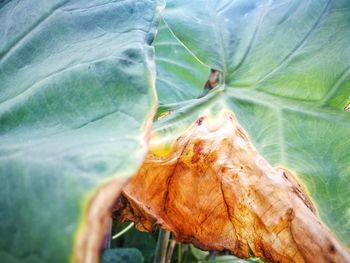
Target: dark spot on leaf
224 169
132 54
290 214
241 134
303 198
331 248
267 255
197 151
200 121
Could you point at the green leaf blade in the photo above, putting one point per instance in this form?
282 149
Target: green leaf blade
77 97
286 78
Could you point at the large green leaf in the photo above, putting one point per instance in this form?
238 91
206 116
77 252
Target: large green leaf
76 97
286 77
180 76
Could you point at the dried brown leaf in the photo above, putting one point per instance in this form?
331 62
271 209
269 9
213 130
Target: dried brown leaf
216 191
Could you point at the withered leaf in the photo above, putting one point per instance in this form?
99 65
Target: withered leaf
216 191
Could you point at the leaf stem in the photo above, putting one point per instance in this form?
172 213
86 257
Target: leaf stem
179 252
162 244
170 251
123 231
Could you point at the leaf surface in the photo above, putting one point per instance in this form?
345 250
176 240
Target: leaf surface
287 79
76 99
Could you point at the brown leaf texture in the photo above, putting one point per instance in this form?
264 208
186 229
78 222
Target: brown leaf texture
216 191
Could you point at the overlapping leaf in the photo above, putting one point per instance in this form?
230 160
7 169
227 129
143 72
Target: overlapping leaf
77 94
286 77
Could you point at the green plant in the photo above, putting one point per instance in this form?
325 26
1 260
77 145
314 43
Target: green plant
78 84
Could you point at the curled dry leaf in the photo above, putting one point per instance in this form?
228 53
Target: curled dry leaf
215 190
93 228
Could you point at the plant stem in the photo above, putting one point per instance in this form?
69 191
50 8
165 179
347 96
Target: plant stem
162 244
186 252
170 251
123 231
179 253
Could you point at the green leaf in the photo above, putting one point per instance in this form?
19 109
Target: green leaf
76 100
180 76
198 253
122 255
286 77
142 241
